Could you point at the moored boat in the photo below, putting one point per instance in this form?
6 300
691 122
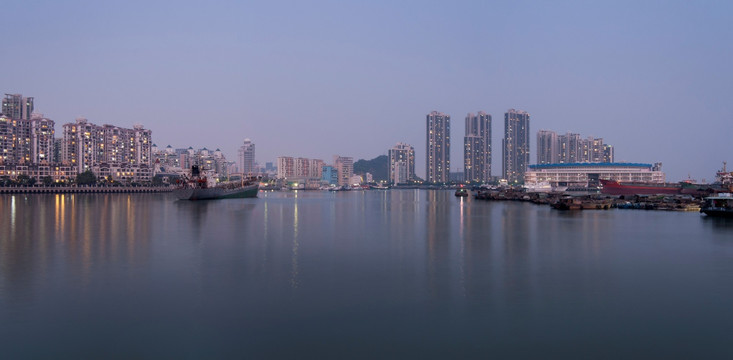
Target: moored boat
720 205
198 187
612 187
567 203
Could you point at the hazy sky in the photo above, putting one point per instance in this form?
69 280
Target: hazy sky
318 78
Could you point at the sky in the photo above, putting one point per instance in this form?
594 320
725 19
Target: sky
322 78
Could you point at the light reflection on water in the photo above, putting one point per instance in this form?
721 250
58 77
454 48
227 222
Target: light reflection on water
406 273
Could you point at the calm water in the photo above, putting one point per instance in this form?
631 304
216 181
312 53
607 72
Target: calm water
375 274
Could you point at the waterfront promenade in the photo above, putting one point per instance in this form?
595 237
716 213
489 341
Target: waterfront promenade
82 189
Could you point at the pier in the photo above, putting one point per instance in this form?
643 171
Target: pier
83 189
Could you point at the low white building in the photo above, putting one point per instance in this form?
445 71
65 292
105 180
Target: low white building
580 174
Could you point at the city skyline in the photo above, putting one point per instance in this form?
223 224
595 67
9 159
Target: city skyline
291 76
29 138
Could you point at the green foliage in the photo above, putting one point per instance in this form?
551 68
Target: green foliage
22 180
47 181
378 167
86 178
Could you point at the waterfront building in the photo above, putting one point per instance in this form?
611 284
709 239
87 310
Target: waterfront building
247 157
401 163
302 168
285 167
59 173
355 180
213 162
167 157
86 145
437 155
345 168
571 148
26 141
477 148
329 175
515 143
299 169
315 168
581 174
17 107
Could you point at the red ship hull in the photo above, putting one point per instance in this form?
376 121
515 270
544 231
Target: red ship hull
611 187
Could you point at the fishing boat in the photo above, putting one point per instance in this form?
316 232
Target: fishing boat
719 206
197 186
461 192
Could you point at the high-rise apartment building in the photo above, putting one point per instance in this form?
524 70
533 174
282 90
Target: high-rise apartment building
302 168
570 148
546 147
42 139
22 139
515 157
438 147
477 148
291 168
247 157
608 153
86 145
345 168
285 167
26 141
401 163
17 107
315 168
6 140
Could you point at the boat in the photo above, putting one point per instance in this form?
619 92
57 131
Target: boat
612 187
719 206
543 186
567 203
461 192
197 186
570 202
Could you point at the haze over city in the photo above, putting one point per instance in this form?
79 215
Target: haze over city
322 78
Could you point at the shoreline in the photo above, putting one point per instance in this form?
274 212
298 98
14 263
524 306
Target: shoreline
84 190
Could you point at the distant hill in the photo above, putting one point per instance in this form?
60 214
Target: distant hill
378 167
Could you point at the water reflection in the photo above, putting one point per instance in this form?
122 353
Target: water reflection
83 230
422 272
294 277
718 224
